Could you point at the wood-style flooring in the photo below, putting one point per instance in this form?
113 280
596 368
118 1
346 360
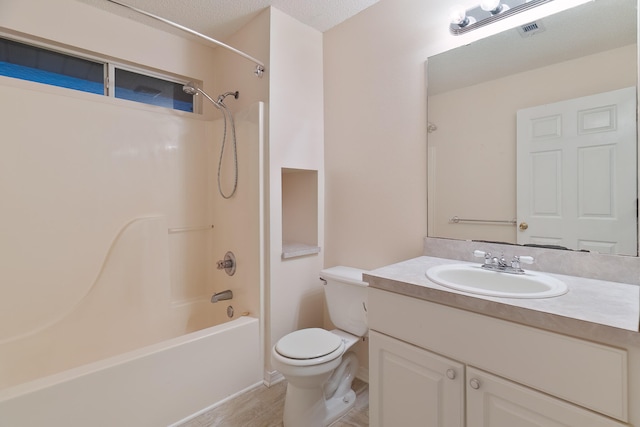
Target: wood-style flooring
263 407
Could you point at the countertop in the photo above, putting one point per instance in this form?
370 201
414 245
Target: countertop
593 309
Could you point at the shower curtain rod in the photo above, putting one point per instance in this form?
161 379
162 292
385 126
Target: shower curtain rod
259 65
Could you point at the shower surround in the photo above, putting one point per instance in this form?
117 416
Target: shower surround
111 229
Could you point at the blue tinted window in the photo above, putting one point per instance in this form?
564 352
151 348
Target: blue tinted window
151 90
26 62
31 63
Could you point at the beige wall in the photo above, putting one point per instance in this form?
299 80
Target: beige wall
294 292
375 137
375 125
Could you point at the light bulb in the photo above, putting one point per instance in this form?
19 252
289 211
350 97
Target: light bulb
458 16
492 6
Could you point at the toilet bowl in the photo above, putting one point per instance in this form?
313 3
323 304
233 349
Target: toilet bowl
316 363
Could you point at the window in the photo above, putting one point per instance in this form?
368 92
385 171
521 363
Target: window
41 65
32 63
151 90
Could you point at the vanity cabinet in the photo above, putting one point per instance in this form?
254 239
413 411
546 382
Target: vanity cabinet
495 402
412 386
433 365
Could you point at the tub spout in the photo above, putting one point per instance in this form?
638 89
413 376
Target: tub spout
221 296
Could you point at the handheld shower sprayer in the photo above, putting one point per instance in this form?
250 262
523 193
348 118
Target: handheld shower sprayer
191 89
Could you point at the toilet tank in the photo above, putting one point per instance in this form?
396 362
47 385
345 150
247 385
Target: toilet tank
346 296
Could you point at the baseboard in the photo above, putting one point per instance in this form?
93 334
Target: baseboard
273 377
270 378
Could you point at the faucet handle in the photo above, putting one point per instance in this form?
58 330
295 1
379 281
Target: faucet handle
481 254
517 260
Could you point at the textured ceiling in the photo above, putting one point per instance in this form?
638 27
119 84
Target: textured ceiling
221 18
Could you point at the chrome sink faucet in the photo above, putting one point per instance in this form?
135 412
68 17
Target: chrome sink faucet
500 264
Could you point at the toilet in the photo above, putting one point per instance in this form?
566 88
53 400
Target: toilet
317 363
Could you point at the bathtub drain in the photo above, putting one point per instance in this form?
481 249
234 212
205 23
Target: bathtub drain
230 312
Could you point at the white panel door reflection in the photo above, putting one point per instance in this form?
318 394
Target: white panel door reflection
577 182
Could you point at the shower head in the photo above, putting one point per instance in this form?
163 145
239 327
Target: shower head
190 89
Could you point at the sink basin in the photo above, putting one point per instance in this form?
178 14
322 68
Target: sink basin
477 280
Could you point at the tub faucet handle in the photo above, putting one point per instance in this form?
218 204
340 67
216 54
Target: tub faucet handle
228 264
222 264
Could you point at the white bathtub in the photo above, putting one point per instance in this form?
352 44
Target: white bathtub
158 385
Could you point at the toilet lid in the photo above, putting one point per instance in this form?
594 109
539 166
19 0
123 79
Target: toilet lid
308 344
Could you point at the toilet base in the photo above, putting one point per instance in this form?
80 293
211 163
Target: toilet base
322 413
338 406
319 403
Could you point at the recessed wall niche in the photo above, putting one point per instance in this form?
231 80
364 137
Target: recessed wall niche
299 212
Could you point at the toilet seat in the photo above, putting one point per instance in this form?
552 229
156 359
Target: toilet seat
309 347
308 343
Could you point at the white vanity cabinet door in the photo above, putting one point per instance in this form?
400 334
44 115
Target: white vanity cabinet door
496 402
587 374
412 387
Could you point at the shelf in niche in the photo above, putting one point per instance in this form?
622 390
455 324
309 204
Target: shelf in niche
297 249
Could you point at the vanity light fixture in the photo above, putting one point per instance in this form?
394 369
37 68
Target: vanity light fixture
487 12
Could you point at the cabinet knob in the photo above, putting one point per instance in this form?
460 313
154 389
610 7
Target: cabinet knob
523 226
474 383
451 374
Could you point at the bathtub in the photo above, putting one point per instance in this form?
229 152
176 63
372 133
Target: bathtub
125 353
158 385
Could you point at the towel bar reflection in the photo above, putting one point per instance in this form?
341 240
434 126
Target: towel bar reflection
185 229
457 220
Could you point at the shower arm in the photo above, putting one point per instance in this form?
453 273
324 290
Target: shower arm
203 93
191 89
260 67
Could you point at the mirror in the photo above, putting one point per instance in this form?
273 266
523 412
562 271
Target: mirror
474 95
